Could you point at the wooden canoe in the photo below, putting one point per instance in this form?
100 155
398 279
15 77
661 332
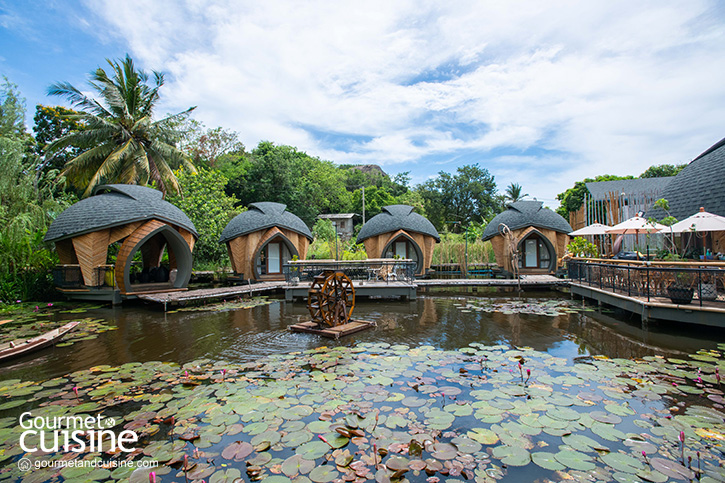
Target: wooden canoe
18 348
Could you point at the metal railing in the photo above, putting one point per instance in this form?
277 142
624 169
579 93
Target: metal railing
70 276
680 284
379 269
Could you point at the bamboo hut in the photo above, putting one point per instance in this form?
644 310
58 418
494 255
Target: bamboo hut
262 239
397 231
541 237
135 220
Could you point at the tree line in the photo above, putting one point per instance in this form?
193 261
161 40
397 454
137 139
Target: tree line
115 136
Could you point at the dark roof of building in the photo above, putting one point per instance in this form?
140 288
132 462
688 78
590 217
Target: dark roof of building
115 205
261 216
700 184
600 190
521 214
394 218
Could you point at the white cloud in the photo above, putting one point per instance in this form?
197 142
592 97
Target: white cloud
587 87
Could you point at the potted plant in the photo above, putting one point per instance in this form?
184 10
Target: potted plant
294 272
707 289
680 291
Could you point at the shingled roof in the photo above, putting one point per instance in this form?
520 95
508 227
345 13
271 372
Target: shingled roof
394 218
115 205
521 214
261 216
601 190
700 184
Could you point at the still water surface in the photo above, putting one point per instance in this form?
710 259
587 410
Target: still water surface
147 334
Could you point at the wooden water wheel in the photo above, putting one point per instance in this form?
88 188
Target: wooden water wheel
331 299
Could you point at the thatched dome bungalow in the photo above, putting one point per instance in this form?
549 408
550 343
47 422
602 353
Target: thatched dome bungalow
140 220
264 238
541 234
399 231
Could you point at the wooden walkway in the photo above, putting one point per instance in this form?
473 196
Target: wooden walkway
378 288
175 298
529 281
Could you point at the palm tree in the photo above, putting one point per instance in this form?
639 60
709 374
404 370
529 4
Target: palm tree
120 141
513 193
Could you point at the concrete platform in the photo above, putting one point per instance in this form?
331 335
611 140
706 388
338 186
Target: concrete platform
362 289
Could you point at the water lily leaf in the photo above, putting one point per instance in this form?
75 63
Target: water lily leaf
271 437
238 451
260 459
225 476
546 461
512 456
466 445
413 402
256 428
672 469
575 460
603 417
483 436
608 432
296 412
622 462
296 464
459 409
336 440
323 474
619 410
652 475
444 451
313 450
294 439
397 463
563 414
280 479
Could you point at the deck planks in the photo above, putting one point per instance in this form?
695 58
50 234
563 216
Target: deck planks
333 332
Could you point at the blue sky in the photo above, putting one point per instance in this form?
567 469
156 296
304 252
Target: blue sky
539 93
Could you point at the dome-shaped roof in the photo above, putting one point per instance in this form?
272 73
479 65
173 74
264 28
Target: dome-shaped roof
261 216
114 205
394 218
521 214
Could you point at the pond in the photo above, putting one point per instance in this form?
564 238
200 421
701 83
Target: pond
444 388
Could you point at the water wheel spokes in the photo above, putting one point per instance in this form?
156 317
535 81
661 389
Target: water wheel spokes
331 299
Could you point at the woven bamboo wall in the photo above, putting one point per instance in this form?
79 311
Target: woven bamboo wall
244 249
91 250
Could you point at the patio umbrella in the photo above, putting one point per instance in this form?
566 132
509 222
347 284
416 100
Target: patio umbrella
636 225
593 229
700 221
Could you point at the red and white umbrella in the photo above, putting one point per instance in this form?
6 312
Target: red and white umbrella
636 225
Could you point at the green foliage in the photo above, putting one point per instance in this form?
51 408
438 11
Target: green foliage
121 143
203 199
25 211
580 247
51 124
663 170
469 195
353 251
282 174
514 193
324 230
375 199
207 146
12 111
669 220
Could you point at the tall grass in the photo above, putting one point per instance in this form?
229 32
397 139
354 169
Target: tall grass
452 249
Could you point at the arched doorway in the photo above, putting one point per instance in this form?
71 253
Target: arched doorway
536 253
271 257
404 247
151 238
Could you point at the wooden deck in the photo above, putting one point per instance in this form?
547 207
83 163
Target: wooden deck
176 298
529 281
333 332
657 308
